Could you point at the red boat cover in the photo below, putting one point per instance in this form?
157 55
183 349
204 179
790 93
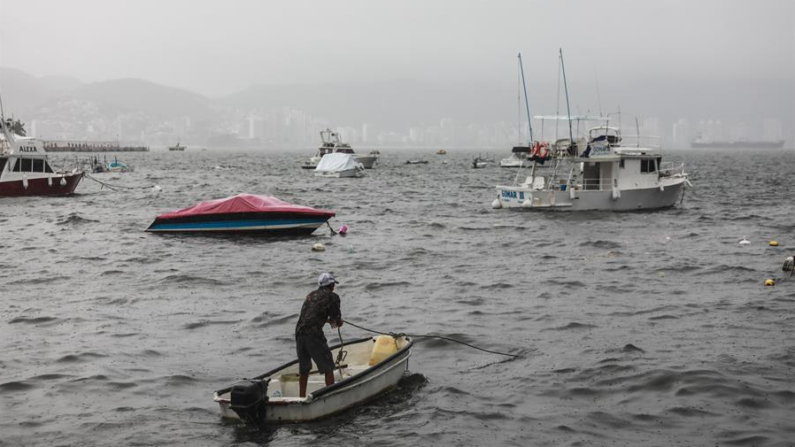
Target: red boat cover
245 203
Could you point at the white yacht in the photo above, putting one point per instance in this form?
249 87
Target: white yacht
608 174
332 143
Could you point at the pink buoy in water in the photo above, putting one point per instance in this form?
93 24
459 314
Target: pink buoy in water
343 230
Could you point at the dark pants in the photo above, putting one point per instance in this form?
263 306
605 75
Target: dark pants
313 347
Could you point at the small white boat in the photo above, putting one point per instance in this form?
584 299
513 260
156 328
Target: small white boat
332 143
370 366
520 158
339 165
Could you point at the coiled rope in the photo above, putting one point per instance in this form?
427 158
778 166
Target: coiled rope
395 335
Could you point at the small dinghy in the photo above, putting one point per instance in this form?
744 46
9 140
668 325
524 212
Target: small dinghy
243 213
369 367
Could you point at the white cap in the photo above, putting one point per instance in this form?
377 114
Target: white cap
325 279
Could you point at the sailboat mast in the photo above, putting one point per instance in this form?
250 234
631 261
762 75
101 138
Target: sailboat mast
526 104
566 88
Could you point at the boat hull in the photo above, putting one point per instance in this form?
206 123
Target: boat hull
265 223
330 400
368 161
350 173
43 186
606 200
508 163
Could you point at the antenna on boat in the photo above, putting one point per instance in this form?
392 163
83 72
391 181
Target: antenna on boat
566 87
526 104
598 96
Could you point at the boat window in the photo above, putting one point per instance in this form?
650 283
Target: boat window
647 166
38 165
27 165
47 167
3 162
621 163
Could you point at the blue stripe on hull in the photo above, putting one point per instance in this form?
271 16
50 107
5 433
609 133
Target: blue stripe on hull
240 225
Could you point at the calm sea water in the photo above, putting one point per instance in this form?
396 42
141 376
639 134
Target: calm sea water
649 328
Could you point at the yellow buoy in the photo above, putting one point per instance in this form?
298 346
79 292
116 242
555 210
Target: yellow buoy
774 243
770 282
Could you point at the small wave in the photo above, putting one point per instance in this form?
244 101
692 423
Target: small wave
193 280
51 377
753 440
607 245
15 386
75 219
78 358
33 320
203 323
574 326
757 404
499 286
630 348
386 285
690 412
180 379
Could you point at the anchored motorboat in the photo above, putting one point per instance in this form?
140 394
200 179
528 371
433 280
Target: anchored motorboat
604 171
98 167
25 169
243 213
519 158
607 175
339 165
366 368
177 147
332 143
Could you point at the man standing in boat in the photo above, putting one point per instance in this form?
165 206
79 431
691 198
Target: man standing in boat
321 306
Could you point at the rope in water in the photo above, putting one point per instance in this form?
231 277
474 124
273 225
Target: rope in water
114 187
393 334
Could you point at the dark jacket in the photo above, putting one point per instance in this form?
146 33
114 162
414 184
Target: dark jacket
320 305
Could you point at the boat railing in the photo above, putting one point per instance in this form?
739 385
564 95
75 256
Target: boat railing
671 169
641 141
596 184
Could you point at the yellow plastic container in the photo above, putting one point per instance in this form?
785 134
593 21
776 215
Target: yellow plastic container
385 346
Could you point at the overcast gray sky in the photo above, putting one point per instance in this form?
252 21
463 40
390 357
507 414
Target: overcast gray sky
216 48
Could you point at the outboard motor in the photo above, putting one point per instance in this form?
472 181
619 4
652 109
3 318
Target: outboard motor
249 400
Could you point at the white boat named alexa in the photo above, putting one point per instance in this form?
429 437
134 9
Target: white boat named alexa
369 367
339 165
332 143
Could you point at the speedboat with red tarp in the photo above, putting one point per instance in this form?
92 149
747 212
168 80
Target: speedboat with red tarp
243 213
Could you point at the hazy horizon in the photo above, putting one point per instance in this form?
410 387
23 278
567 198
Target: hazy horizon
732 61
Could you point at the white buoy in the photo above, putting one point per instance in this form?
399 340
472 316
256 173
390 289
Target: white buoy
745 241
496 204
156 189
318 247
527 203
62 182
49 181
25 182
